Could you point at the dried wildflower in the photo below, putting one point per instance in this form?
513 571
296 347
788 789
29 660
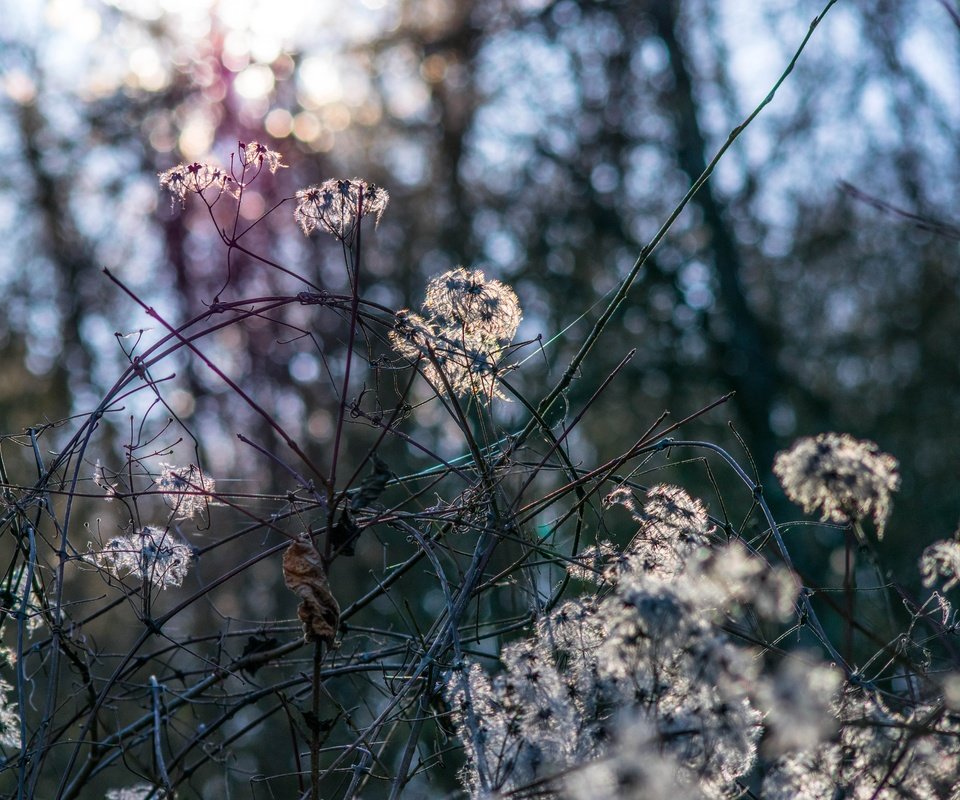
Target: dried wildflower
303 573
186 489
151 554
468 322
846 479
941 560
600 563
9 718
140 791
259 155
196 178
805 775
101 480
733 576
468 304
672 526
799 703
621 496
336 205
895 754
608 689
636 768
881 754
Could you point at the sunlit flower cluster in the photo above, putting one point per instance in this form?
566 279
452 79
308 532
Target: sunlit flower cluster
336 205
152 554
196 178
186 489
843 478
880 754
467 323
609 687
9 718
672 525
258 155
140 791
941 560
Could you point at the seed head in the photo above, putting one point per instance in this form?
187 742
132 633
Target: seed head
258 155
151 553
846 479
467 323
196 178
186 489
336 205
941 560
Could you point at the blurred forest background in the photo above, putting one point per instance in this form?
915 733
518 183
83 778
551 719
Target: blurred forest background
544 142
816 274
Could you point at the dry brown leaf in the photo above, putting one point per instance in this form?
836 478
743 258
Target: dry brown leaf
304 574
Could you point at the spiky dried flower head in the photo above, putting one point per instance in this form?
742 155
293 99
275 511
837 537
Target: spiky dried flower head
140 791
672 525
186 489
465 300
941 560
467 323
151 553
843 478
336 205
256 154
195 177
9 718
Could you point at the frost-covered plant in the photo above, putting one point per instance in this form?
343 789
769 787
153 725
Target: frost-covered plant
846 479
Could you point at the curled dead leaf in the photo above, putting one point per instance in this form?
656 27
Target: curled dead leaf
303 573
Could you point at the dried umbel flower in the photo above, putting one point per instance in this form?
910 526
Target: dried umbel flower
9 718
140 791
941 560
880 754
259 155
468 304
151 554
611 687
636 768
186 489
196 178
336 205
303 573
672 526
467 323
799 705
846 479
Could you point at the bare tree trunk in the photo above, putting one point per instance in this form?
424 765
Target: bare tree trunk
746 360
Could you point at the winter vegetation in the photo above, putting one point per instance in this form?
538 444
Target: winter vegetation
313 537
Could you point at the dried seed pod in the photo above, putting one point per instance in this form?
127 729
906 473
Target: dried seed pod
303 573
